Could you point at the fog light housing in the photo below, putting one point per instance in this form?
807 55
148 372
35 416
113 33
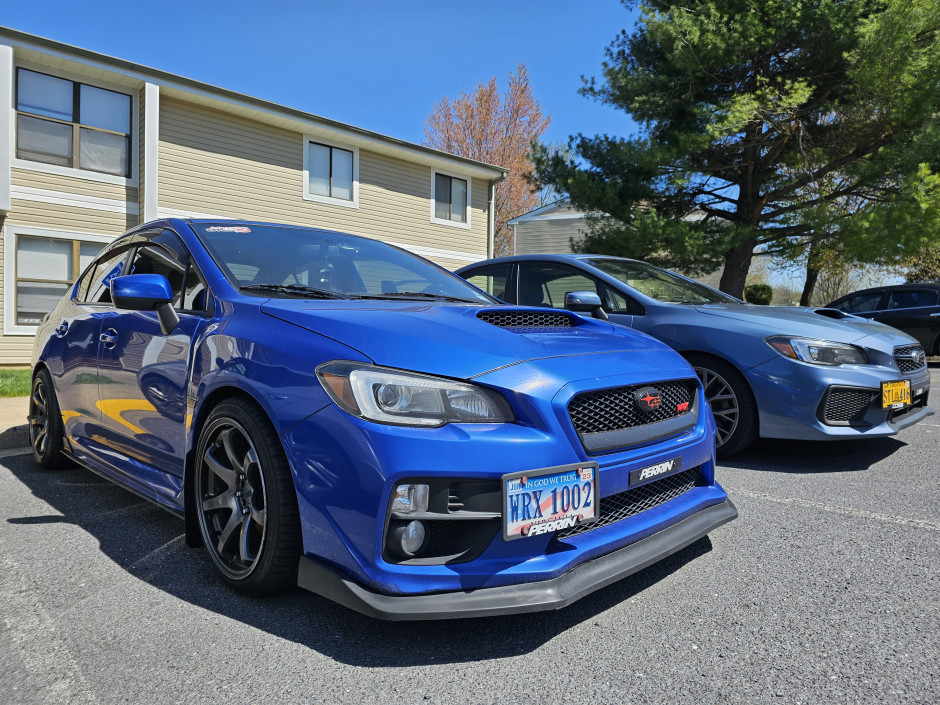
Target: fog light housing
408 539
410 499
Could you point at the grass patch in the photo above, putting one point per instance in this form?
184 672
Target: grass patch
15 383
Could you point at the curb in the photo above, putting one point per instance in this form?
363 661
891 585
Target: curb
15 437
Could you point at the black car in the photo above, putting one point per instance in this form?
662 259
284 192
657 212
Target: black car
913 308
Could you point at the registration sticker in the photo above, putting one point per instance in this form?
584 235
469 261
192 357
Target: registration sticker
228 229
895 395
543 501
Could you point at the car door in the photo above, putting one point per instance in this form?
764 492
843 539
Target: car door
143 373
75 342
546 283
914 311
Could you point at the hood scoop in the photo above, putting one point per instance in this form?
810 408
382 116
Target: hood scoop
833 313
527 319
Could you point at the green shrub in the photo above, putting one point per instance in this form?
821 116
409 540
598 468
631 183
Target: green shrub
761 294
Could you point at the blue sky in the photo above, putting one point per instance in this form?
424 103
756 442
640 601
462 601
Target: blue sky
373 64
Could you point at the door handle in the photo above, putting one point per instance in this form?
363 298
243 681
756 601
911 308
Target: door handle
935 315
109 338
62 328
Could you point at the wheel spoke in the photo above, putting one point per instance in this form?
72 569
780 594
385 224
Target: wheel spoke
244 550
225 500
259 516
39 443
227 475
230 452
234 521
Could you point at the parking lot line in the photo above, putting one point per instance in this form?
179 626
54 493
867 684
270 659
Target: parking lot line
859 513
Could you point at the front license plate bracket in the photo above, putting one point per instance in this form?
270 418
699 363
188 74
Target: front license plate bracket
543 501
896 394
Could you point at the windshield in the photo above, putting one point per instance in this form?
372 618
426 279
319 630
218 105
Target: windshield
274 260
660 284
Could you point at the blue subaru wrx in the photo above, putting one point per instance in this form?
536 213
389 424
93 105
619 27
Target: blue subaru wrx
331 411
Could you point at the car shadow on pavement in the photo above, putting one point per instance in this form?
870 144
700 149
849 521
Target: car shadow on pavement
148 543
811 457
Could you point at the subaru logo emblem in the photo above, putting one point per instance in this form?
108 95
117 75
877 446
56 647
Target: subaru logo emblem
647 399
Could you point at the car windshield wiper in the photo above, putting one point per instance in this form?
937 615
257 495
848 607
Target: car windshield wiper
417 295
295 289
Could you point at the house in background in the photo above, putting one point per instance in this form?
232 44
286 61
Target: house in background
98 145
551 228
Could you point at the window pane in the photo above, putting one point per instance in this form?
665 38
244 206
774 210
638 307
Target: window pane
43 141
912 299
102 151
34 300
491 279
442 196
318 162
43 258
194 299
99 290
342 174
44 95
458 200
155 260
105 109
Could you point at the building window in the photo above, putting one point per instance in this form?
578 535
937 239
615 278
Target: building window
331 174
45 269
71 124
449 200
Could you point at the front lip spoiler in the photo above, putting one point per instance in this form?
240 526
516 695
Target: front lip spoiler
551 594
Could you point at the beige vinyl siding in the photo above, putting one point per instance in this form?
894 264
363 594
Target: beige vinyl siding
548 236
72 185
224 165
14 349
69 218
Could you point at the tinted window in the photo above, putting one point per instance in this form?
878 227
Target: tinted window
545 284
153 259
195 297
860 303
660 284
491 279
912 299
95 285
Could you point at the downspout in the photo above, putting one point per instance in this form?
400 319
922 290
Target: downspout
491 217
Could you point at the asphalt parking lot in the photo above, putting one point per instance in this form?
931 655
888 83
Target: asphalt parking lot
825 590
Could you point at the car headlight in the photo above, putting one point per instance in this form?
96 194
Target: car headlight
405 398
817 352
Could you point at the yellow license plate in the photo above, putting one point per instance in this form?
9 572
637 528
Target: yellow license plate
894 393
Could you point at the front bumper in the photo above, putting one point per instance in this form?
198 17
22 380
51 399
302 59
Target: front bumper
550 594
789 395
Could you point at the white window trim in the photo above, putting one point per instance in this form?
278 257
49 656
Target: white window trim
444 221
9 267
69 171
317 198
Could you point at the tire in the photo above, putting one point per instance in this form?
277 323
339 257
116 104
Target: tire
46 431
246 503
731 401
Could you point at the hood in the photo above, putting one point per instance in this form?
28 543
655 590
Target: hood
822 323
448 339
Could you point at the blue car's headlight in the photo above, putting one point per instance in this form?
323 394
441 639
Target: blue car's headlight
405 398
817 352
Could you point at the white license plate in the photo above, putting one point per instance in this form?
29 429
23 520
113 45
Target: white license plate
547 500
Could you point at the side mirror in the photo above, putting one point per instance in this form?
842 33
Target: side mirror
146 292
585 301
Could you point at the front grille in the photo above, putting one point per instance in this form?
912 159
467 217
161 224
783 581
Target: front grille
847 405
910 358
615 409
526 319
637 500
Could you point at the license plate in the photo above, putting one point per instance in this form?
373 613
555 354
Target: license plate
895 394
544 501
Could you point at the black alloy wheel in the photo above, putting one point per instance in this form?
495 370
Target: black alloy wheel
245 499
732 404
46 432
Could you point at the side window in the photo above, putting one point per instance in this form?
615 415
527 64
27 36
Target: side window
94 287
912 299
153 259
861 303
491 279
195 297
546 284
